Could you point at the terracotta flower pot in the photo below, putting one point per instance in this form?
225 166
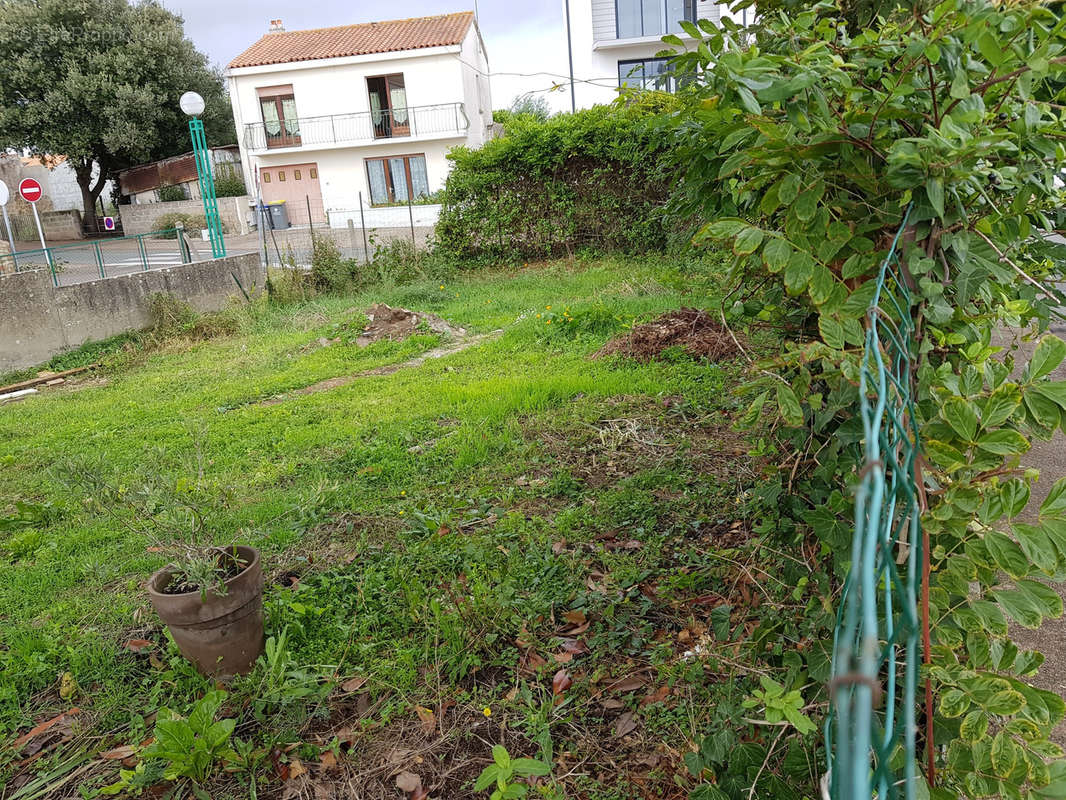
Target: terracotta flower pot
221 634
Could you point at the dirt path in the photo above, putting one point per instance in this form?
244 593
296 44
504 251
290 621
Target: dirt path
343 380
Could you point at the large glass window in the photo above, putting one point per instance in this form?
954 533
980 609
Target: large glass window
280 122
388 105
647 73
637 18
394 179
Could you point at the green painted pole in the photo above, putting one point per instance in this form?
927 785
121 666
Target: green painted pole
207 187
144 253
99 259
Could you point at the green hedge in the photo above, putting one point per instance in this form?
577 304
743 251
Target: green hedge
597 179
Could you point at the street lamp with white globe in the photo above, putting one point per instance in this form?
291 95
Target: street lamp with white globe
192 105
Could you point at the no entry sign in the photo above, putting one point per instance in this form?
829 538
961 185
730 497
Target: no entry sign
30 190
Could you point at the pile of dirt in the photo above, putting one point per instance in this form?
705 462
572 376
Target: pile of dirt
690 329
399 323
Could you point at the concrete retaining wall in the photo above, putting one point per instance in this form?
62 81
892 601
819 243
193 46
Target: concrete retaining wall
58 225
38 320
141 218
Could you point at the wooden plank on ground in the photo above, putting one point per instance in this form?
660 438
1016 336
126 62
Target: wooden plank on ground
51 376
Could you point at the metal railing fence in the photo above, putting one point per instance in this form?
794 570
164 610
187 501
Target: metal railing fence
876 651
101 258
364 126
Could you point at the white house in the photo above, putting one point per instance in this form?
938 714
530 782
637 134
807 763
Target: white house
326 114
614 43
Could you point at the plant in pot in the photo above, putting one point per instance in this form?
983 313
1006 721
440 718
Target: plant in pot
210 596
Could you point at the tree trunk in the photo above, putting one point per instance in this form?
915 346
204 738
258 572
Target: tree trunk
90 192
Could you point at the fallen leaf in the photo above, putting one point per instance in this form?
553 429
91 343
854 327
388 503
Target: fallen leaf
408 782
626 723
119 753
429 719
657 696
559 546
575 646
139 645
327 760
296 769
630 684
611 702
511 695
563 658
574 617
63 721
353 684
561 682
154 549
443 530
577 629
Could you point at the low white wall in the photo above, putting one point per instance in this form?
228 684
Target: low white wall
388 217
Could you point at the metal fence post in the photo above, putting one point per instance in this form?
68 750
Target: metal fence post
99 259
411 216
180 229
144 253
310 221
362 221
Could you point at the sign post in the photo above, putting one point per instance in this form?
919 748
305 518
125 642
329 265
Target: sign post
5 195
31 192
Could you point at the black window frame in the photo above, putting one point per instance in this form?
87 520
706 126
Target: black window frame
690 15
629 63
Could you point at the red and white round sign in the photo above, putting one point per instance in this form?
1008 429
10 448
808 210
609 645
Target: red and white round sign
30 190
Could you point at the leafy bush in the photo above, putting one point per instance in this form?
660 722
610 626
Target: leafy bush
229 183
330 271
193 224
808 153
171 193
599 178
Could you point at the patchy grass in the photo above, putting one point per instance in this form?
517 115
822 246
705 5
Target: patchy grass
513 544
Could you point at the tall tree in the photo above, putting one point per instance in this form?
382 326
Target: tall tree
99 82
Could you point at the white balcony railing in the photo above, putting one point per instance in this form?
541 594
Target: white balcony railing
445 119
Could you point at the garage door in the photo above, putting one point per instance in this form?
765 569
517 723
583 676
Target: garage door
297 185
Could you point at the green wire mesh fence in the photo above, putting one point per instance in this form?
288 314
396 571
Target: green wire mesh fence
871 731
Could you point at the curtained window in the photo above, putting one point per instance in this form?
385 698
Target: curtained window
394 179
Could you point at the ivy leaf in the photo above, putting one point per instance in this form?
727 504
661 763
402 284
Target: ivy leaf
1007 555
1048 355
789 405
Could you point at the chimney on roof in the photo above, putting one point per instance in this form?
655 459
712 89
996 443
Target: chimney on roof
276 26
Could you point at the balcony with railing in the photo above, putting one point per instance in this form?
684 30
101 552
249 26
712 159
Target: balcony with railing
415 122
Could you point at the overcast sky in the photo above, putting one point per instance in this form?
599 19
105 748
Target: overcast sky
521 36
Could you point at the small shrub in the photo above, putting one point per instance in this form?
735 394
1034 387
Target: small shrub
172 193
173 318
192 223
330 271
229 183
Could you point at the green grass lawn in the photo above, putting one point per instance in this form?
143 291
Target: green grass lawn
460 532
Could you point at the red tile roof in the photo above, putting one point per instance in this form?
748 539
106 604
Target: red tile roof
356 40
